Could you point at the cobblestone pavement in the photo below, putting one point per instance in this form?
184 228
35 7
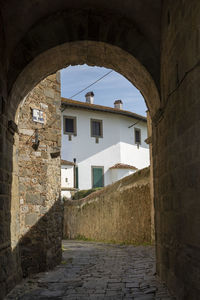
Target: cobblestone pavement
97 271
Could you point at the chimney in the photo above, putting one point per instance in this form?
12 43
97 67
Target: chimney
89 97
118 104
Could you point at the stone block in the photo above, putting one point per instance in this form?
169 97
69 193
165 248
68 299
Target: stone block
37 154
31 219
24 208
28 132
49 92
43 106
24 158
34 198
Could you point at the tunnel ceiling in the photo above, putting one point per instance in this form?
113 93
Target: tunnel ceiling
31 28
19 16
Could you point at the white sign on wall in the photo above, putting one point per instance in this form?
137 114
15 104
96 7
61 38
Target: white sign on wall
38 116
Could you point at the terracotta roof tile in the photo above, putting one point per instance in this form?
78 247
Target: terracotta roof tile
84 105
66 162
123 166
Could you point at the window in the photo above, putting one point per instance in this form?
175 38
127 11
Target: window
137 136
97 177
96 128
69 125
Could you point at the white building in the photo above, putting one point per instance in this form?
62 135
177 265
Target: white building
100 144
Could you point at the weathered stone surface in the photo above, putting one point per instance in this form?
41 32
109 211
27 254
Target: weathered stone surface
48 92
30 219
39 177
34 198
155 45
29 132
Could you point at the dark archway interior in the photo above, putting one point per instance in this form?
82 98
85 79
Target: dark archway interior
156 46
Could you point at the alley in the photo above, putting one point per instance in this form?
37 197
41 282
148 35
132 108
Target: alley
97 271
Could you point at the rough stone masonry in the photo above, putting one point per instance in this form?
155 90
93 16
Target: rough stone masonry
39 178
120 212
155 45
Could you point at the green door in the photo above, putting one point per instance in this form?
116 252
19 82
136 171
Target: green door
97 177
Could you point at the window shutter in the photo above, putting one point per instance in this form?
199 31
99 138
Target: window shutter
96 128
137 136
69 125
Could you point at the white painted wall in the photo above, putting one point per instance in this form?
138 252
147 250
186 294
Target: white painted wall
117 174
67 172
116 146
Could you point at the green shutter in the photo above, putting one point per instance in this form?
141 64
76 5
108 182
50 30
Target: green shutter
76 177
97 177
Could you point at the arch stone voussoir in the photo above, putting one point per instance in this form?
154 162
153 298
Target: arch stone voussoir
86 25
93 54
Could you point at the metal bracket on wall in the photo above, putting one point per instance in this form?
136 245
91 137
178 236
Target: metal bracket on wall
37 141
55 153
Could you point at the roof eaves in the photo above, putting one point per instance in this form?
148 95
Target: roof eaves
123 166
94 107
67 163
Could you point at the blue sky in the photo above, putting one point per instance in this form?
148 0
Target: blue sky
111 88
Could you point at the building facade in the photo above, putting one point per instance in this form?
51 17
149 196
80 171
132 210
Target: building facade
104 144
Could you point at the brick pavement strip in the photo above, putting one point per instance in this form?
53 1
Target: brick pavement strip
96 271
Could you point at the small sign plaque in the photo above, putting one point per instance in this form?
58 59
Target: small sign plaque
38 116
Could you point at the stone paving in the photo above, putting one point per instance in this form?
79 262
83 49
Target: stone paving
97 271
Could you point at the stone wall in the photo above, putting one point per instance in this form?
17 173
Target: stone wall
176 151
30 207
160 50
120 212
39 178
149 142
10 262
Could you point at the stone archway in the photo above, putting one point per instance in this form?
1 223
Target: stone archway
34 57
164 38
91 53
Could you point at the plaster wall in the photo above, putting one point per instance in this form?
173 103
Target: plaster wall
116 146
117 174
67 172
